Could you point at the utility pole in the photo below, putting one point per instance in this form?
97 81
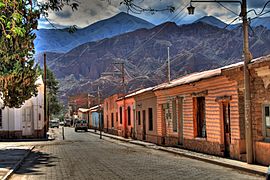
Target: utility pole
99 116
124 94
124 101
45 101
247 59
169 66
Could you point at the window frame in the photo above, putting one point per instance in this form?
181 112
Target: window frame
150 120
112 119
139 117
129 115
195 118
121 114
264 128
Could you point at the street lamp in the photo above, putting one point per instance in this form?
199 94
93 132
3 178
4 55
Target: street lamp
247 58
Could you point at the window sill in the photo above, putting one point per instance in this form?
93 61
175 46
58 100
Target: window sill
266 139
200 138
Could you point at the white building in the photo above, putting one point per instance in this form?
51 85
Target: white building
24 122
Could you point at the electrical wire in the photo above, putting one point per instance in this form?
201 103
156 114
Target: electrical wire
227 9
132 53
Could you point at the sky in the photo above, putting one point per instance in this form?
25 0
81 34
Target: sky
91 11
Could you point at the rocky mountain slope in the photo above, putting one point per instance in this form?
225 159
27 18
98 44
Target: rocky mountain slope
194 47
53 40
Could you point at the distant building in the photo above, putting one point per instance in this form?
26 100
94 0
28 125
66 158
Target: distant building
24 122
82 100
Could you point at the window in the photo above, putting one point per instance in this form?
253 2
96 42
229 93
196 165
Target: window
112 119
120 111
139 117
199 116
39 116
129 116
116 116
174 115
266 121
150 118
1 118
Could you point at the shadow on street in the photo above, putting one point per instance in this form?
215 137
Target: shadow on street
35 161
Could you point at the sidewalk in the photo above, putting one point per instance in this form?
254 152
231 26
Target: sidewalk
11 158
251 168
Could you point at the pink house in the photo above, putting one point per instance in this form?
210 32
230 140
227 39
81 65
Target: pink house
126 113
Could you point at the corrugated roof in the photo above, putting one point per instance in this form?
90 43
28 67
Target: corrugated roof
189 78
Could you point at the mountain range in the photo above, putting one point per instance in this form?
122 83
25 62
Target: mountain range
201 45
60 40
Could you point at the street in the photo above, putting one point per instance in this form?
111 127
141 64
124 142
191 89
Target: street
83 155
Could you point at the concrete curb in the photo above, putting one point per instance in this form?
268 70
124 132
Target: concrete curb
18 164
192 156
213 161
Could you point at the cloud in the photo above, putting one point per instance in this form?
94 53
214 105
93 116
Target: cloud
91 11
65 14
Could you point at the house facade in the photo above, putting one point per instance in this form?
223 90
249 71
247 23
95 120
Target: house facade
260 105
111 117
83 113
200 111
95 118
126 115
145 125
27 121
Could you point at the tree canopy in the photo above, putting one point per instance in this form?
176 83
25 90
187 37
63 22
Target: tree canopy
18 71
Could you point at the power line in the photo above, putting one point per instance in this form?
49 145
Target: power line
133 52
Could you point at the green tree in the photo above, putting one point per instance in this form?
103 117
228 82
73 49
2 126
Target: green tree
18 71
54 105
52 88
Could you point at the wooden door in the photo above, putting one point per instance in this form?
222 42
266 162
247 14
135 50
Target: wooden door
227 128
180 121
144 125
27 122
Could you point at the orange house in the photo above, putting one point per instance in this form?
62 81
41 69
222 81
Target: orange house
126 114
200 111
110 112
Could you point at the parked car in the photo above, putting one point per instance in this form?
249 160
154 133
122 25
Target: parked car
54 123
61 123
81 125
67 122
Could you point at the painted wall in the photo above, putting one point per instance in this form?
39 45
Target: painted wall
214 142
127 102
13 118
145 101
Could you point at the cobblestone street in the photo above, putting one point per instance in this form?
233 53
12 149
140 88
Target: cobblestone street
83 155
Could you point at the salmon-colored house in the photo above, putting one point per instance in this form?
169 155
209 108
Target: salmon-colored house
126 114
111 117
204 111
200 112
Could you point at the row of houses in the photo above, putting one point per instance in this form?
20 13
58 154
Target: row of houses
202 111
